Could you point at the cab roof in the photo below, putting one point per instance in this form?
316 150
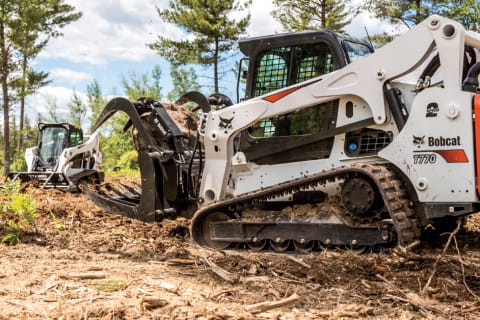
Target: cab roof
250 46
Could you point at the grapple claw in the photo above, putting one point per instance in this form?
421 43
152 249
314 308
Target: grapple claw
165 157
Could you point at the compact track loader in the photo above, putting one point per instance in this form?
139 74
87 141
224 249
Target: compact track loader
61 159
333 145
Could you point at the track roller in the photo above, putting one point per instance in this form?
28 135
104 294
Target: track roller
304 246
258 245
279 245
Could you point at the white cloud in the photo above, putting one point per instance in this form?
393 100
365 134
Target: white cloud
363 20
69 75
121 29
261 21
61 96
110 30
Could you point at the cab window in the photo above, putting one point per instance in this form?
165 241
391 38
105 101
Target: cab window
355 50
75 138
278 68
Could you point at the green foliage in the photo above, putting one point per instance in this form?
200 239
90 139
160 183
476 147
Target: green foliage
18 162
57 223
183 80
213 32
25 207
124 173
299 15
409 13
52 114
466 12
144 85
129 160
25 29
29 139
406 14
117 146
12 234
115 142
9 188
78 110
107 285
379 40
96 101
18 213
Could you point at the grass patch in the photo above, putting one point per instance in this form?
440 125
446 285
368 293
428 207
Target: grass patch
108 285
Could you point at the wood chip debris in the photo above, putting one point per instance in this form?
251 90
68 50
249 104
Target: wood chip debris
149 303
269 305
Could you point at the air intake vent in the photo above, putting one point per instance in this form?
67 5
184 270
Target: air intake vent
366 142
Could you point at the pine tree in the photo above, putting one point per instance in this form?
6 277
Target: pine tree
183 80
409 13
96 102
299 15
403 13
212 32
143 85
78 110
25 28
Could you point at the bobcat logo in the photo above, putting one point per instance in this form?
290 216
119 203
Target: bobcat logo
226 123
418 140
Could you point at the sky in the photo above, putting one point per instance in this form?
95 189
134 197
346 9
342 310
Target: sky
110 42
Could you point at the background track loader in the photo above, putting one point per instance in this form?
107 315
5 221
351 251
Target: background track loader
61 158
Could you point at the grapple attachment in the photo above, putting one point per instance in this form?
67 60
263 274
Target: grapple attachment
169 171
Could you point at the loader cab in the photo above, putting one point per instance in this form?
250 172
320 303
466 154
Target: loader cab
53 138
278 61
283 60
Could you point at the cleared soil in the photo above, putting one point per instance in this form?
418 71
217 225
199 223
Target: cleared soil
88 264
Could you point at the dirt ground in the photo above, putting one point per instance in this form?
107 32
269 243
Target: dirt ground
88 264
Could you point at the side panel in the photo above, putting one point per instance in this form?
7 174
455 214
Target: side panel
476 109
435 149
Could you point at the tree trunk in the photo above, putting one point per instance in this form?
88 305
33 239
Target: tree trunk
324 14
22 103
4 83
215 66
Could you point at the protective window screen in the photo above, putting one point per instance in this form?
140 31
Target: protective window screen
281 67
315 65
301 122
271 73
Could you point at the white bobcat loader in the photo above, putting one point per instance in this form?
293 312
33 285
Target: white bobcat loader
332 145
61 158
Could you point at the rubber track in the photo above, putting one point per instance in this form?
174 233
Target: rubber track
393 193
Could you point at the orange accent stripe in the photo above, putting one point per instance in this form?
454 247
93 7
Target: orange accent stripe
453 156
476 112
279 95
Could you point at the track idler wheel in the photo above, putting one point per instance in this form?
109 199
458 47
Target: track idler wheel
215 244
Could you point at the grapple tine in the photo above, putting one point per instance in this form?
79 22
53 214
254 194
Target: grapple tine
130 191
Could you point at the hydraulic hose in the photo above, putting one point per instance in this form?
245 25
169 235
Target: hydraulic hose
471 81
